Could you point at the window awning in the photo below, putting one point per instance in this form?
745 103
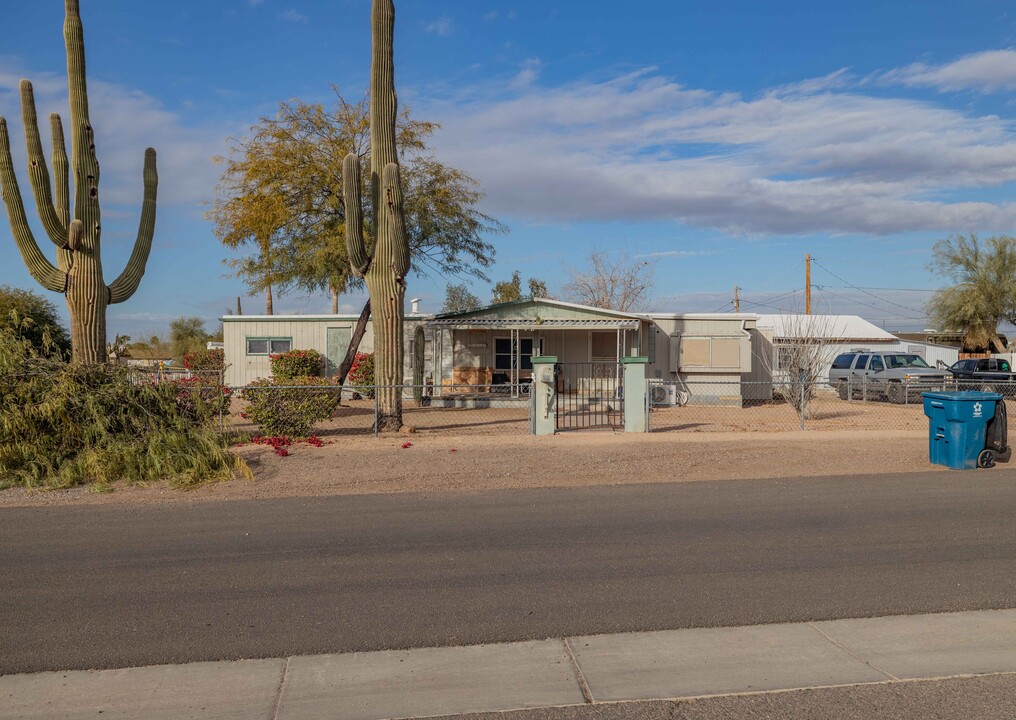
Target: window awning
532 325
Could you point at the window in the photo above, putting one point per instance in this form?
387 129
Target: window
862 362
503 353
604 345
842 362
905 361
268 346
876 364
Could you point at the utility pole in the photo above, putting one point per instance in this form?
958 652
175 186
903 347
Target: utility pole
737 300
807 284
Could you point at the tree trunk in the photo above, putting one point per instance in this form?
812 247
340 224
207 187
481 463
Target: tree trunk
335 300
997 342
268 299
354 344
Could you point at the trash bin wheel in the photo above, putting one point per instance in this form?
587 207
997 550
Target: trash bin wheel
986 459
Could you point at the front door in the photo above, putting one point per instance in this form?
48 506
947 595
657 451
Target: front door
336 344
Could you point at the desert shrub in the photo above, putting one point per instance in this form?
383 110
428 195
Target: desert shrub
281 411
64 424
205 361
34 318
361 373
297 364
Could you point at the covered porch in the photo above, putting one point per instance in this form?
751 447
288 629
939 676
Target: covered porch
477 354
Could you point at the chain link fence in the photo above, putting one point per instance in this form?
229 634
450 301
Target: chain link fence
453 409
677 406
865 404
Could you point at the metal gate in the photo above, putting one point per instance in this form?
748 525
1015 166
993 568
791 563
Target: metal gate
588 395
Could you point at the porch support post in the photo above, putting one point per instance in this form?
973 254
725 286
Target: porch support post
544 392
635 394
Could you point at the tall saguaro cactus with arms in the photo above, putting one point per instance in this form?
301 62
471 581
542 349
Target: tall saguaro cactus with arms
385 267
78 270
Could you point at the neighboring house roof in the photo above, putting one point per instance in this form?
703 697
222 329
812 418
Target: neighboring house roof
831 328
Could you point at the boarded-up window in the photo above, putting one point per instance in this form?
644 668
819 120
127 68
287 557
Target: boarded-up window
604 345
694 352
726 353
710 353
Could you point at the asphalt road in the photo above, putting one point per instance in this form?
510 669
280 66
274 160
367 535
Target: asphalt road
115 586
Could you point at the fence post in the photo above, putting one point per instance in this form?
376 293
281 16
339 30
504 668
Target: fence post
804 389
544 388
222 401
635 391
377 410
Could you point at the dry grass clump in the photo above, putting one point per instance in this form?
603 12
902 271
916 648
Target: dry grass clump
63 425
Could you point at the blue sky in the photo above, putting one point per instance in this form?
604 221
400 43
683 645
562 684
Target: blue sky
719 140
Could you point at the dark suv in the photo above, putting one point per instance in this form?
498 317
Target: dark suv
897 376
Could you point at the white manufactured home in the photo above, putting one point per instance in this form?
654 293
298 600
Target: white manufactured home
494 346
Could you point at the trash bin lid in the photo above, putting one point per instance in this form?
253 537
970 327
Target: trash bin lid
963 396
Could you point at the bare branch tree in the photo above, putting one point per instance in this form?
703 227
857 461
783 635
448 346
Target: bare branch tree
803 348
622 284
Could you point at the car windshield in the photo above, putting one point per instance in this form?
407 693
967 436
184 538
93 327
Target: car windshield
905 361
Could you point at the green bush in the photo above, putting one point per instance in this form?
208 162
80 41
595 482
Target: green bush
361 373
63 425
282 411
297 364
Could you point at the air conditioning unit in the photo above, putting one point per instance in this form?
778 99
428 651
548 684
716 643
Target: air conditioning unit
667 394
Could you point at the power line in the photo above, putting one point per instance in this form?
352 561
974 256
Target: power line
821 288
855 287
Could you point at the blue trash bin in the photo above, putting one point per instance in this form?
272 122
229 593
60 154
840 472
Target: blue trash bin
957 426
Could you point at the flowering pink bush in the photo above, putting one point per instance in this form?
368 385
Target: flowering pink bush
297 364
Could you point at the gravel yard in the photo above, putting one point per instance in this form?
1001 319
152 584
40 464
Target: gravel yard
441 461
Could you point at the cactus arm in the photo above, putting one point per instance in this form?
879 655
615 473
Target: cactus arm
127 283
359 259
40 268
74 38
393 206
38 173
61 170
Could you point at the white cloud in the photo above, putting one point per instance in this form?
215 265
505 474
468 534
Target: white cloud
126 122
676 253
817 156
989 71
442 26
529 73
293 16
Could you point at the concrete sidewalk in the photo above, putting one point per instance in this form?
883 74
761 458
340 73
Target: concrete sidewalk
544 673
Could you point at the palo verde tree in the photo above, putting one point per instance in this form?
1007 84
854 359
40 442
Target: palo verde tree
280 198
383 268
78 271
983 290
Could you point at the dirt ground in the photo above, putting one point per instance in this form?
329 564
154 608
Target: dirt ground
495 459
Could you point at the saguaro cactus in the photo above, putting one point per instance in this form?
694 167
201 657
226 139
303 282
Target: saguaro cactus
78 272
384 270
